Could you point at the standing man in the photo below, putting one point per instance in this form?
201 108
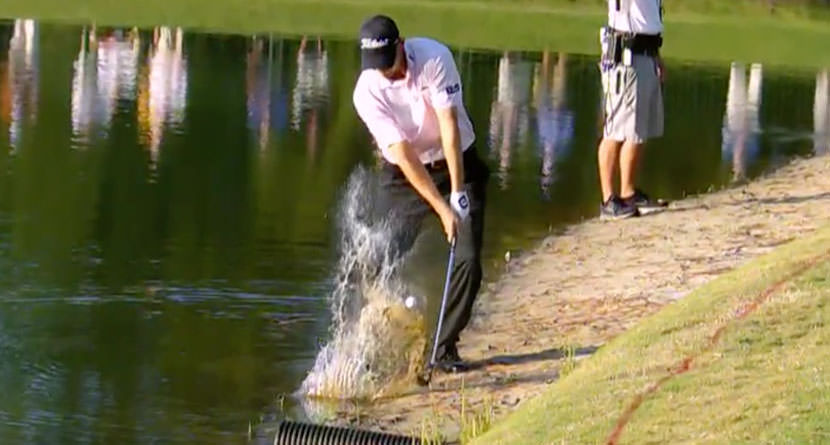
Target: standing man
632 77
409 96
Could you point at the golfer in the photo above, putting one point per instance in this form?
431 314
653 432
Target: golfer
409 95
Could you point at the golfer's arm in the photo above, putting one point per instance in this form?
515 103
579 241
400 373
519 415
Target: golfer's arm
417 175
451 143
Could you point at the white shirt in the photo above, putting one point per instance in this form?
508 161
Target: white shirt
635 16
404 109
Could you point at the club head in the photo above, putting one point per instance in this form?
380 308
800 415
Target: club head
425 377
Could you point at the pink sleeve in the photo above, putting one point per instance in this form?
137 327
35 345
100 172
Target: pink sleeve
378 119
445 82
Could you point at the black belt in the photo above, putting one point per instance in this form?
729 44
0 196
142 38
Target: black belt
433 166
440 164
648 44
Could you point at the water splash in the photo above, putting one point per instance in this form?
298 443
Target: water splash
377 343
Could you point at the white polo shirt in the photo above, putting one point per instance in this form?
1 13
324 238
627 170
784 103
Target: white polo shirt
636 16
404 109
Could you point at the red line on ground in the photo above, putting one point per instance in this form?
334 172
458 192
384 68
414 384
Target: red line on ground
686 363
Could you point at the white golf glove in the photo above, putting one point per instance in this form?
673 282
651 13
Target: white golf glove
460 202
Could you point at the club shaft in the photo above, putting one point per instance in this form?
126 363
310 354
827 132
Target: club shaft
450 265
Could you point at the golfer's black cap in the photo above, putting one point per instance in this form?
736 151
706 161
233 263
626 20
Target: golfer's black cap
378 42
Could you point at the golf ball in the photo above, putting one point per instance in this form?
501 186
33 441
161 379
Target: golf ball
409 302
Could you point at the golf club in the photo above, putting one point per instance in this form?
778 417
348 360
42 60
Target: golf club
425 378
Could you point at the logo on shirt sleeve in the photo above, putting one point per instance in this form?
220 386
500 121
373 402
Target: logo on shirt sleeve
452 89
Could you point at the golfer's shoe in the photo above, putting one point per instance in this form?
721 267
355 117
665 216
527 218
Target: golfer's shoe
644 204
451 367
615 208
451 363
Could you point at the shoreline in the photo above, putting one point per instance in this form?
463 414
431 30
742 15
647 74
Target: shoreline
561 301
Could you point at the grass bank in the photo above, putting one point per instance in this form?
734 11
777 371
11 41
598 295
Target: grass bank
698 30
743 359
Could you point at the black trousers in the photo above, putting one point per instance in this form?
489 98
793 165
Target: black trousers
399 200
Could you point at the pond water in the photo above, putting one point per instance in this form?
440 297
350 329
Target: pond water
168 202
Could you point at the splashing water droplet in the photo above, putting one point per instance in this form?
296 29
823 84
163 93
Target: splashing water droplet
377 341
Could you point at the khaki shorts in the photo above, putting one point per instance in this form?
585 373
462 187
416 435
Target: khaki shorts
633 101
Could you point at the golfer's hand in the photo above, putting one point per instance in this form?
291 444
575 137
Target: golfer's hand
449 219
661 69
460 202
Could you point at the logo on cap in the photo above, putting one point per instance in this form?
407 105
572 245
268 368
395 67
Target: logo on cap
367 43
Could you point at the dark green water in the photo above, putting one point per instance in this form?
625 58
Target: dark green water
167 206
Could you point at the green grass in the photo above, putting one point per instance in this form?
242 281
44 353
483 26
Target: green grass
766 380
430 431
474 420
696 30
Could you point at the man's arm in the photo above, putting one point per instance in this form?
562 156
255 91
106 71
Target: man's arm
451 143
445 92
417 175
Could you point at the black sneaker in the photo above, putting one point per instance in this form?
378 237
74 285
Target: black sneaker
644 204
615 208
451 363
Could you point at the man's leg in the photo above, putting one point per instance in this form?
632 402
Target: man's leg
607 155
647 123
402 208
465 280
629 161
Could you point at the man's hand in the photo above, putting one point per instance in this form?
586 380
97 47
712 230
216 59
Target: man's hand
449 220
661 69
460 202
